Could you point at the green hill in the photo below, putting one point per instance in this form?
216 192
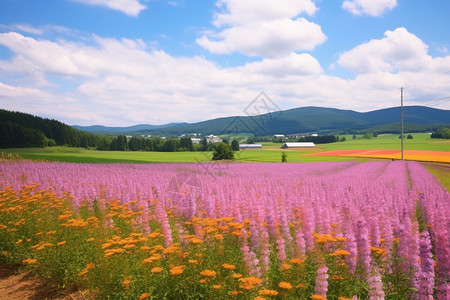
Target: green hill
19 130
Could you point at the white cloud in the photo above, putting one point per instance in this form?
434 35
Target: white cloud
266 28
398 51
372 8
128 7
124 82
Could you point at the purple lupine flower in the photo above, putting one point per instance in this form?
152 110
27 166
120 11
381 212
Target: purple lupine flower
300 242
321 286
375 285
362 242
161 215
351 247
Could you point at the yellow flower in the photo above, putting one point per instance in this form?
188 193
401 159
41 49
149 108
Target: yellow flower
344 298
144 296
156 270
285 285
251 280
208 273
266 292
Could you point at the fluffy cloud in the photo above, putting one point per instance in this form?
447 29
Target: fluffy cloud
372 8
128 7
120 82
266 28
398 51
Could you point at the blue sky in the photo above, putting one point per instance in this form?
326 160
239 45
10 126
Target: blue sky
126 62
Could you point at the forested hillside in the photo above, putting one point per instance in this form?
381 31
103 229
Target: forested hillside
18 130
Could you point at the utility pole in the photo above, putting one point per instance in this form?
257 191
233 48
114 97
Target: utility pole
401 97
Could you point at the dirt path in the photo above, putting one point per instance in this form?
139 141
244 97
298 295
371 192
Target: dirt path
16 286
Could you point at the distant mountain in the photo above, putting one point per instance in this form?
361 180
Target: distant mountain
300 120
139 127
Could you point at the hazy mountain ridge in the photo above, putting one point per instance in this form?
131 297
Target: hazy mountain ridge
298 120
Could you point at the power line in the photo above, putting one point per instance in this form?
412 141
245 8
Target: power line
438 102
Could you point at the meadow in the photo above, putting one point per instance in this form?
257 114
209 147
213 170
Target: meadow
271 152
333 230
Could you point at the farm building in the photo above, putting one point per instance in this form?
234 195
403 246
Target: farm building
298 145
250 146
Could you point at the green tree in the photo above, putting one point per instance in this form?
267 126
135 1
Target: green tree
223 151
283 157
409 137
235 145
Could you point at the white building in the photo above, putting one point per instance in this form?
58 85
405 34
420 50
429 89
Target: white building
298 145
250 146
213 139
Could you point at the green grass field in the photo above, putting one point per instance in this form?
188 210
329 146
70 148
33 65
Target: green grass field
271 152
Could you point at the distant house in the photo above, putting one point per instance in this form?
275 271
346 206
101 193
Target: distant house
213 139
298 145
278 136
250 146
196 140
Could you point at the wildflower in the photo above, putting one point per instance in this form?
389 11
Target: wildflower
285 266
266 292
129 246
344 298
375 285
126 283
340 252
251 280
318 297
208 273
236 275
156 270
202 281
285 285
234 293
321 287
301 286
19 242
229 267
337 277
29 261
192 261
217 286
62 243
259 298
144 296
297 261
177 270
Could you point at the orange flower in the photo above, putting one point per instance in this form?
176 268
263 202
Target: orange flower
126 283
340 252
208 273
285 285
61 243
285 266
216 286
237 275
337 277
259 298
266 292
234 293
318 297
156 270
229 267
297 261
144 296
29 261
192 261
177 270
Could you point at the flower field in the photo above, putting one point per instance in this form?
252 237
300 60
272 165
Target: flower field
418 155
335 230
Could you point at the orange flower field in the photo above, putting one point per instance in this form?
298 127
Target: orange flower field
418 155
